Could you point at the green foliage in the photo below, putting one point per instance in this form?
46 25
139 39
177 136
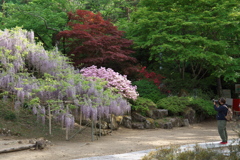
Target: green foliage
114 9
201 93
6 112
175 83
197 154
142 105
202 41
45 17
9 115
176 105
147 89
26 126
202 106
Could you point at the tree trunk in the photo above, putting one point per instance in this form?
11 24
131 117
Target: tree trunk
3 1
50 120
17 148
38 145
219 87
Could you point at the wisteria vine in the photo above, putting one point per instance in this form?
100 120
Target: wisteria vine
38 77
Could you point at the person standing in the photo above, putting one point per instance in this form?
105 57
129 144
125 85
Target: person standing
222 110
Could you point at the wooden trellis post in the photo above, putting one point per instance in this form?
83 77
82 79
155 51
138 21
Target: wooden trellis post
100 125
67 129
80 118
50 120
92 131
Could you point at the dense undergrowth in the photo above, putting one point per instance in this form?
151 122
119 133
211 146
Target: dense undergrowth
176 105
24 124
173 153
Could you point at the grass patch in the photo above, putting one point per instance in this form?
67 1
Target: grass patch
26 126
174 153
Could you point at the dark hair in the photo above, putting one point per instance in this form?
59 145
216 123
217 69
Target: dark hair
222 100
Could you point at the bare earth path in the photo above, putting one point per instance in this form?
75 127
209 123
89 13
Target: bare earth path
121 141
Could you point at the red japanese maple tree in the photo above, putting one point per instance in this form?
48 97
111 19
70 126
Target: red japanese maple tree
152 76
95 41
155 78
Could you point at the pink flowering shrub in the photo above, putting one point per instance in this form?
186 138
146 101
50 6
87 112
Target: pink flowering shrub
114 79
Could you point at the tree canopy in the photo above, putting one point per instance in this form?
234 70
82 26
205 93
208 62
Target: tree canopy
188 42
196 37
45 17
48 17
95 41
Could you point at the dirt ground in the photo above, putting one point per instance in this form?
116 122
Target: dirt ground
122 140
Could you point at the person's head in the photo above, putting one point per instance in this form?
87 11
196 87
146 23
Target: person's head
222 101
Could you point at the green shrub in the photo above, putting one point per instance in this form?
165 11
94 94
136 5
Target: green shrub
206 94
176 105
9 115
147 89
197 154
142 105
6 112
202 106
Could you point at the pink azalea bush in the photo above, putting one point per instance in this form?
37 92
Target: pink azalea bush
114 79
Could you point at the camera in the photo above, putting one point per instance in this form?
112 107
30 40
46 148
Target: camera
216 101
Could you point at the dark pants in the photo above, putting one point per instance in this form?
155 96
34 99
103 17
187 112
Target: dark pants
222 130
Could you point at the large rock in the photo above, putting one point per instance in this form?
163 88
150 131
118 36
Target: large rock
102 132
186 122
159 113
159 123
201 117
190 114
113 123
119 119
169 122
127 121
176 121
149 113
167 125
137 117
102 124
138 125
149 123
86 122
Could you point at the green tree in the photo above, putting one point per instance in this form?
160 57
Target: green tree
45 17
197 39
113 10
48 17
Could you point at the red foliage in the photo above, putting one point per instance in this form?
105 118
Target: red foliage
156 78
95 41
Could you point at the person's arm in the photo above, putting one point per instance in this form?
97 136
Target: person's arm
214 105
217 108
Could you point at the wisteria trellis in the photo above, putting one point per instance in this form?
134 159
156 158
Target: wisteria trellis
30 72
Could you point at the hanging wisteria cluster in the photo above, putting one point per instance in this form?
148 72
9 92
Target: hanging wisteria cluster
114 79
30 72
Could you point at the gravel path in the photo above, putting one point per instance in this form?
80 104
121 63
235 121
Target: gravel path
122 141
